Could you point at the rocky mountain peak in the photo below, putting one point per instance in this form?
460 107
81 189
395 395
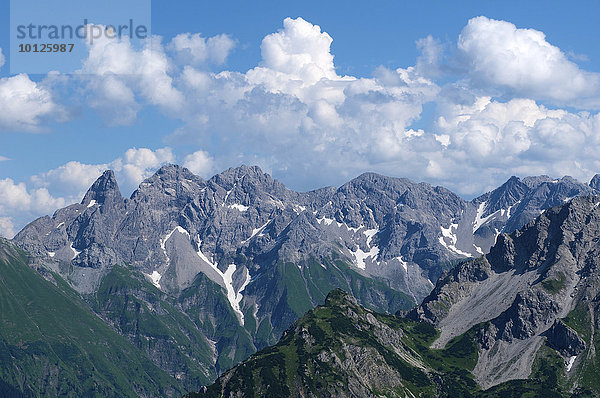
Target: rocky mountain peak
172 172
506 195
534 181
264 255
249 180
104 190
233 175
171 180
595 182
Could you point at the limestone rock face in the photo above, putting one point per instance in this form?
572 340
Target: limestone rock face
564 339
523 292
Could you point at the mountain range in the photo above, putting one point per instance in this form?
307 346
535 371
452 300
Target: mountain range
199 274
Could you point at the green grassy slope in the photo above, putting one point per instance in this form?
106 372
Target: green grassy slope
174 331
52 344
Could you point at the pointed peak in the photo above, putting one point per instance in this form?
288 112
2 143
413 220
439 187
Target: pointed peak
595 182
566 179
512 183
169 171
103 190
169 168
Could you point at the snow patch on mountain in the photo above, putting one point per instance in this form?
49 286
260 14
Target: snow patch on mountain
75 251
299 209
354 229
233 297
257 232
479 219
227 196
509 210
370 233
154 278
328 221
571 362
239 207
402 262
373 252
450 234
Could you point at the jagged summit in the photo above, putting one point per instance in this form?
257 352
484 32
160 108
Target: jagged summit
595 182
506 195
104 190
250 178
171 172
387 227
171 181
534 181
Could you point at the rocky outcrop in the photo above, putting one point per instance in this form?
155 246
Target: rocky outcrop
564 339
516 296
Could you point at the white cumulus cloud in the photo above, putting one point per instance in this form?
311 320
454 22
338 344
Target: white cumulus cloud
193 49
200 163
294 58
490 140
7 229
119 79
300 50
498 53
70 180
466 120
138 164
295 115
18 205
26 104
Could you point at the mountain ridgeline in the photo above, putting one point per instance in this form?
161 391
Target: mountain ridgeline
199 274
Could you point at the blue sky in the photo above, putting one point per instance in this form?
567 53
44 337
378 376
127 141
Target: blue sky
460 94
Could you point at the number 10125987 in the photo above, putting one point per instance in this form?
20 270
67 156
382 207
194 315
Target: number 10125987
46 48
